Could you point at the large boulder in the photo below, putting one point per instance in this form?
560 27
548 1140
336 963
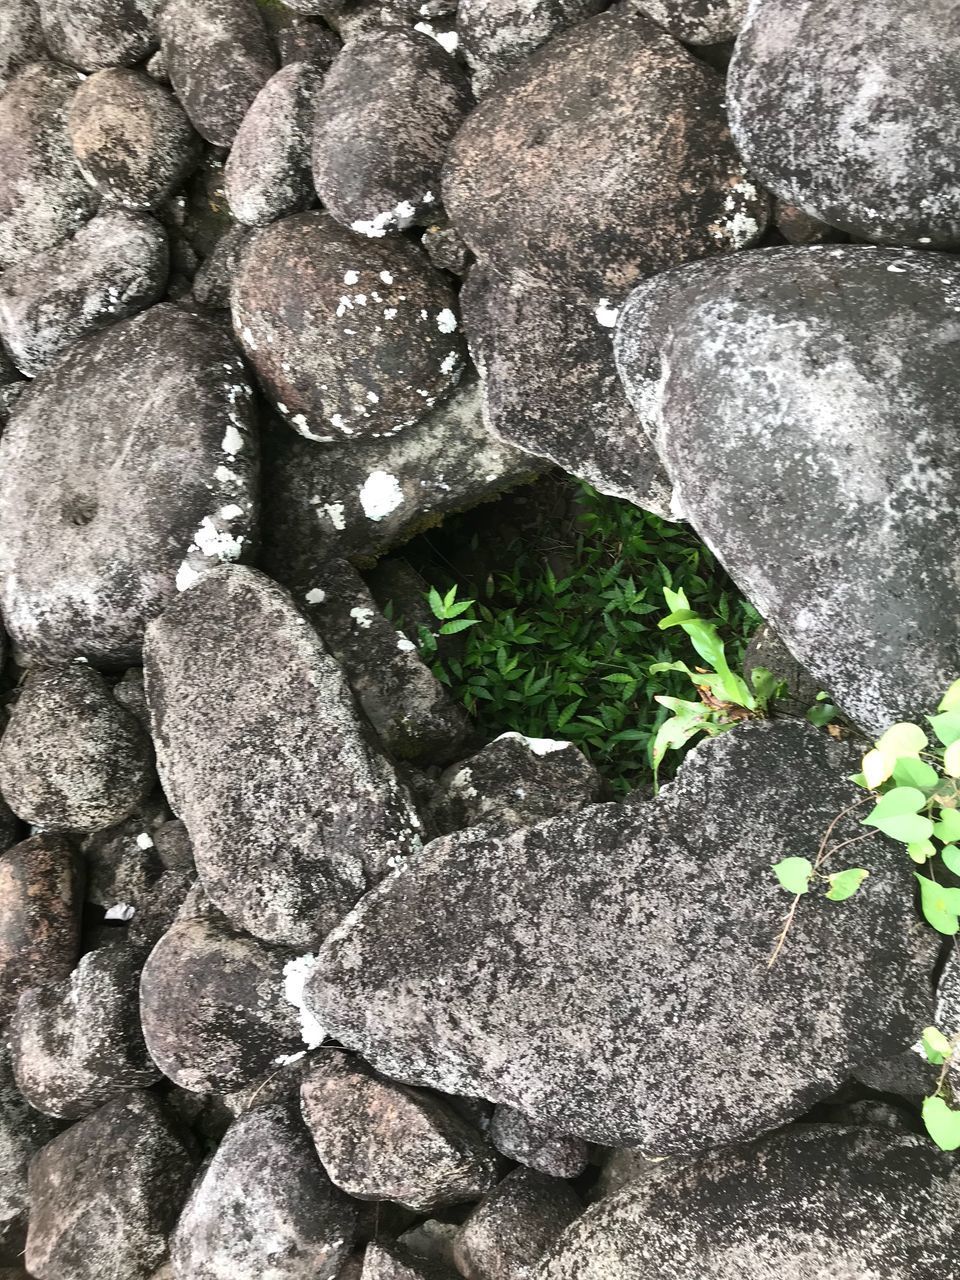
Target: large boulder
21 37
803 404
697 21
90 34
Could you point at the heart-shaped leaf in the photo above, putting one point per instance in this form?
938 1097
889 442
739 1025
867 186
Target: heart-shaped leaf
951 858
921 851
899 800
877 767
844 884
794 874
942 1122
947 827
946 726
951 699
911 772
902 739
908 828
936 1046
936 906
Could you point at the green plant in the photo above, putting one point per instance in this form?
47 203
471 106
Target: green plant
942 1120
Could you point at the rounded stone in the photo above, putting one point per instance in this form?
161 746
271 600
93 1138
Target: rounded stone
559 1155
350 337
513 1226
21 37
498 35
90 34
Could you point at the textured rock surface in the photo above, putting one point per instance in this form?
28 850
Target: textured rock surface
513 1226
126 470
350 337
291 815
823 1202
90 34
263 1207
696 21
115 266
301 40
854 122
581 1019
389 1262
390 106
21 38
22 1133
537 1146
104 1194
498 35
802 403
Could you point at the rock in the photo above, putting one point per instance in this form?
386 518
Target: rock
90 34
129 692
22 1133
816 1194
513 1226
111 498
831 497
173 845
333 502
263 1207
591 1008
218 56
798 227
44 194
71 758
379 1140
431 1241
389 108
77 1044
862 143
537 1146
115 266
445 248
104 1194
622 1166
40 902
213 283
600 179
213 1008
268 172
767 650
21 38
132 139
515 782
696 21
498 35
304 41
291 815
122 862
388 1262
350 337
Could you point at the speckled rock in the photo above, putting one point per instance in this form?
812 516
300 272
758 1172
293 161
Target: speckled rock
72 758
498 35
383 1141
854 122
577 1018
77 1044
291 815
513 1226
213 283
696 21
21 39
798 227
350 337
41 894
301 40
123 862
802 403
431 1241
115 266
22 1132
390 105
218 56
383 1261
104 1195
127 470
263 1207
816 1193
44 195
445 247
601 178
132 139
799 689
91 34
537 1146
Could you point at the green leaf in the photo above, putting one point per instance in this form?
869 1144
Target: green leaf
844 884
951 858
947 827
946 726
908 828
951 699
936 1046
822 714
452 628
911 772
935 905
903 739
898 800
435 601
921 851
619 677
794 874
942 1123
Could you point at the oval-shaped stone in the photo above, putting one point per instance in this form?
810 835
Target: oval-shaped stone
90 34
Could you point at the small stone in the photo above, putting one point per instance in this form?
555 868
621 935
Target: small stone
71 758
21 37
498 35
431 1241
798 227
172 842
122 863
104 1195
130 693
22 1133
90 34
389 1262
559 1155
513 1226
445 248
622 1166
302 40
696 21
213 283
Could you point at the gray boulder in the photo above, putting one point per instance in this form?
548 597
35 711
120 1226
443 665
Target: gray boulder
696 21
513 1226
583 1018
302 40
383 1261
21 37
498 35
90 34
559 1155
23 1132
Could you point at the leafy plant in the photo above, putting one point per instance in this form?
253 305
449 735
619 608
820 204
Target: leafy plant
942 1120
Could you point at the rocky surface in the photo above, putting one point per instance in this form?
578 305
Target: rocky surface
387 1262
23 1132
696 21
21 37
536 1145
497 35
513 1226
90 34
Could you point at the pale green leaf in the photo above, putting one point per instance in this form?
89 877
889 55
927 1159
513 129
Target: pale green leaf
951 699
947 827
935 904
951 858
946 726
942 1123
844 884
794 874
936 1046
911 772
903 739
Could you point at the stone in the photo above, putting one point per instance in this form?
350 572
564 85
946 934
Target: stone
431 1241
537 1146
267 174
379 1140
513 1226
22 1133
798 227
577 1017
213 1007
104 1195
263 1207
21 37
816 1194
389 107
115 266
622 1166
696 21
853 122
445 247
383 1261
218 56
44 196
291 815
132 139
122 863
498 35
331 502
831 496
767 650
71 758
599 179
90 34
77 1044
351 338
41 896
302 40
213 283
127 469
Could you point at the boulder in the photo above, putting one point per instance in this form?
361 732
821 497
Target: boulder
301 40
536 1145
696 21
498 35
513 1226
90 34
21 37
383 1261
22 1133
213 283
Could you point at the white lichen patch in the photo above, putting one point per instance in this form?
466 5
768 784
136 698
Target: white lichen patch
362 616
450 362
405 645
447 40
316 595
351 277
396 219
334 512
538 746
605 314
144 840
232 441
295 975
386 277
446 320
120 911
380 494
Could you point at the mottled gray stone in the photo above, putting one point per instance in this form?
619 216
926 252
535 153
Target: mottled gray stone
498 35
104 1195
23 1132
292 816
127 469
602 159
263 1207
213 283
383 1261
351 337
384 1141
816 1195
616 938
800 228
122 862
431 1241
623 1165
21 39
218 56
513 1226
802 401
696 21
445 248
855 122
115 266
302 40
559 1155
90 34
390 105
268 172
